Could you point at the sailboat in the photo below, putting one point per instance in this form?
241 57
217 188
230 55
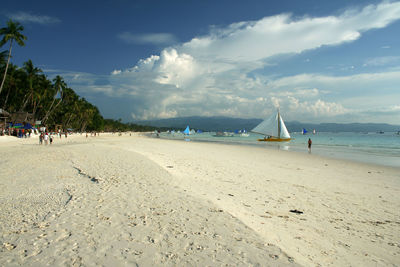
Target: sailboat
244 133
273 128
187 130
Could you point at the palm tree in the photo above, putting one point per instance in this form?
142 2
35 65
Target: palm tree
3 57
11 33
13 80
40 94
59 86
32 74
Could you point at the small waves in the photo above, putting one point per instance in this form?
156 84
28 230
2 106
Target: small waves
383 149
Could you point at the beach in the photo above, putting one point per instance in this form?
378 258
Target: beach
133 200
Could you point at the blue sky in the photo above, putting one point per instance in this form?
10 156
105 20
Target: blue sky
319 61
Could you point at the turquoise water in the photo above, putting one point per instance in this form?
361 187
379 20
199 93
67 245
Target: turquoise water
375 148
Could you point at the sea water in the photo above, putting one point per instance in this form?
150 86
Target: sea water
374 148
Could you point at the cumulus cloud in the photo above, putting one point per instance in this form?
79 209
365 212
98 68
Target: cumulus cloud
31 18
148 38
175 68
216 74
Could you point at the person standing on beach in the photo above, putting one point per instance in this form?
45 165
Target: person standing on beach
309 145
46 138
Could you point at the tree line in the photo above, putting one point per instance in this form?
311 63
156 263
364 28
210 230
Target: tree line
28 89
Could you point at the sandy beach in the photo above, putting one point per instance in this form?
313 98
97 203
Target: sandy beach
132 200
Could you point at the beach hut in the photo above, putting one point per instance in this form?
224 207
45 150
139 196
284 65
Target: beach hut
4 113
4 117
22 117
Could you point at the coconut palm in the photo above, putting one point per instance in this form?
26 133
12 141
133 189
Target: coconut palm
32 74
59 86
3 57
11 33
12 91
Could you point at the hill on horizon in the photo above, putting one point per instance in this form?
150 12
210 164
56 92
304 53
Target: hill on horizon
232 124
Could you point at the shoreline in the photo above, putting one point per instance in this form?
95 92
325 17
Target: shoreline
133 199
343 152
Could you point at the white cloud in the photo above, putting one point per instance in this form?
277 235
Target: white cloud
31 18
116 72
148 38
299 92
256 40
175 68
147 63
382 61
215 74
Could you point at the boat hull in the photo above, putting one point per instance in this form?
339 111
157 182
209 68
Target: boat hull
274 139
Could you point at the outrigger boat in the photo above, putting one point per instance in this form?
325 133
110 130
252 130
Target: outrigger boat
273 128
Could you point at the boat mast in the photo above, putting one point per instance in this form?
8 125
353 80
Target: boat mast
279 124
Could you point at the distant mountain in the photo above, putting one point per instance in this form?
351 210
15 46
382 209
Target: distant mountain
231 124
204 123
342 127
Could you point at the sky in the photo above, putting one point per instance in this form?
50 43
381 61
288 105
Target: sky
318 61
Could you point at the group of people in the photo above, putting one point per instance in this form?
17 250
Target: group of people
93 134
20 133
45 137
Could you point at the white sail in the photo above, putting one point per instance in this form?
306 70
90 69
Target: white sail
268 126
284 131
273 126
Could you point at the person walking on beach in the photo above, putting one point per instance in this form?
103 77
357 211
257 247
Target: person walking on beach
309 145
41 138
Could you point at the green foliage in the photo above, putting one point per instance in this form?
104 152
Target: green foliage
11 33
111 125
27 89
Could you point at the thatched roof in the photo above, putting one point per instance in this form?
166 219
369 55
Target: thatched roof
22 117
4 113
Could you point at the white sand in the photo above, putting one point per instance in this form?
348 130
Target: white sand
124 200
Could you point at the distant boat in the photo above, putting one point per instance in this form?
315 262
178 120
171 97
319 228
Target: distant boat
223 134
244 133
314 132
380 132
304 131
273 128
187 130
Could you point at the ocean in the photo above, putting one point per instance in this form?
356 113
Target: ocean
373 148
